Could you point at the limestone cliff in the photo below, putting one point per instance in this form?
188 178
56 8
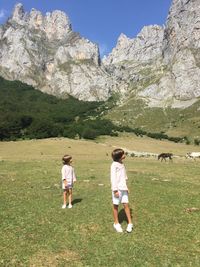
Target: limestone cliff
43 51
161 65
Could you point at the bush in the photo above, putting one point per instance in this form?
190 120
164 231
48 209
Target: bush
196 142
89 133
175 139
187 141
42 129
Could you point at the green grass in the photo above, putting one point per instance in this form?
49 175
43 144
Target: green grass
35 231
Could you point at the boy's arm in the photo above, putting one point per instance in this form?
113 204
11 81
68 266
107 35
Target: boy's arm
114 184
116 193
74 175
127 179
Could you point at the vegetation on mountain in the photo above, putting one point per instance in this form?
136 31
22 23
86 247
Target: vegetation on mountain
29 113
26 113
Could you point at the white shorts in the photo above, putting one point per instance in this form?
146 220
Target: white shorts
65 188
123 197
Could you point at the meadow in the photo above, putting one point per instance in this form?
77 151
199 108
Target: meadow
36 232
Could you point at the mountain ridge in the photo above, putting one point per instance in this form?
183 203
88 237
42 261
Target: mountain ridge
160 66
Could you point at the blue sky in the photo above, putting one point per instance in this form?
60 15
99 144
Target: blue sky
101 21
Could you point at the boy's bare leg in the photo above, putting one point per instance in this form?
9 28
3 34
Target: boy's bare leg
128 213
115 214
70 196
64 197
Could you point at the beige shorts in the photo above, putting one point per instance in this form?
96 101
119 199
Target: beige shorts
123 197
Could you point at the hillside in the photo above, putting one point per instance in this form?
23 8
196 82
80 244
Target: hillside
29 113
134 113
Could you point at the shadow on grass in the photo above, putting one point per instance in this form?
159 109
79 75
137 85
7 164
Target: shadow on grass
122 216
76 200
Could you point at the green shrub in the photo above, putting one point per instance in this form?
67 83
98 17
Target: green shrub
196 142
89 133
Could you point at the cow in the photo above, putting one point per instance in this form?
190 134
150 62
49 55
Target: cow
192 155
164 156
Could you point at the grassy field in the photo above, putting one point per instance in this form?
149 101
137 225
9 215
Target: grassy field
35 231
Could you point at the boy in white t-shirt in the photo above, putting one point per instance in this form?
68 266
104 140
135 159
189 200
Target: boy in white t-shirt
68 179
119 189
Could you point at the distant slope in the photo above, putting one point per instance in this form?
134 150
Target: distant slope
172 121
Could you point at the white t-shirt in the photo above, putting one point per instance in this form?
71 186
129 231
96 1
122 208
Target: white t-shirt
68 174
118 176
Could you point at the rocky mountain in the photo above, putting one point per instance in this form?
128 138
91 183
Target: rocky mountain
161 65
43 51
138 61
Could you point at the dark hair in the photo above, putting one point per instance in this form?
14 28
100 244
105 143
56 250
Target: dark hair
117 154
66 159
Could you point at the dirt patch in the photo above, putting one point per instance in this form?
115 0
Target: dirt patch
45 258
88 229
193 209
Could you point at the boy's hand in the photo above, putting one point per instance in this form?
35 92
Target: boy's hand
65 183
116 194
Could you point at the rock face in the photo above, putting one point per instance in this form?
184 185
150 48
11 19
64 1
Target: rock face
137 61
43 51
181 48
161 65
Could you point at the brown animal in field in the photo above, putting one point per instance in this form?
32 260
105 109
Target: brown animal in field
165 156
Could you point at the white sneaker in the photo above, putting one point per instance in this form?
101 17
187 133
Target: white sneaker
69 206
129 228
118 227
63 206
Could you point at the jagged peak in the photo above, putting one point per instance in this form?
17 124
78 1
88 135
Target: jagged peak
18 13
122 37
149 29
58 15
35 12
55 24
123 40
